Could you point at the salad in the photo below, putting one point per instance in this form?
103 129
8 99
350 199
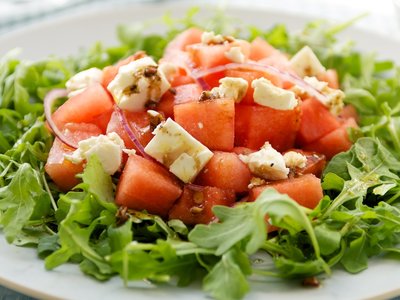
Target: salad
182 156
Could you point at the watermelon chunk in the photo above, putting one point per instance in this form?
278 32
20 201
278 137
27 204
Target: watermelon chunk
195 207
146 185
305 190
316 122
211 122
139 123
62 171
255 125
183 94
85 107
334 142
225 171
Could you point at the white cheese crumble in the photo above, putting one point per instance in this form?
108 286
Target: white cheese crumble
267 94
80 81
137 84
175 148
108 148
155 118
210 38
306 63
235 54
153 113
231 88
294 160
129 151
168 69
333 97
255 181
266 163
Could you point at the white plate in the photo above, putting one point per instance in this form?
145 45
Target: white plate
20 269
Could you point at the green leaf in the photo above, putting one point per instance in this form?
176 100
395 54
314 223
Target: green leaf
331 181
157 262
97 180
246 223
47 245
178 226
328 239
230 272
90 268
82 213
294 269
120 236
18 200
384 188
74 239
371 165
355 258
243 222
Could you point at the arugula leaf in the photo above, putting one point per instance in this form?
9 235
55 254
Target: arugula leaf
47 245
367 164
157 262
246 223
18 200
86 213
230 272
97 181
328 239
358 217
355 258
120 236
74 238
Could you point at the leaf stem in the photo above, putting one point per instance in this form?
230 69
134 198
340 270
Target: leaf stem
271 247
340 27
348 193
393 198
266 273
394 136
46 186
202 263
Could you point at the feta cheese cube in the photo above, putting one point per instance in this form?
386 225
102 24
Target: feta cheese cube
232 88
184 167
175 148
267 94
294 160
235 54
266 163
138 84
306 63
108 148
80 81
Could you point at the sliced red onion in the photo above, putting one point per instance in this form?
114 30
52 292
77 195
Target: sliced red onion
195 187
48 102
128 130
204 85
263 68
